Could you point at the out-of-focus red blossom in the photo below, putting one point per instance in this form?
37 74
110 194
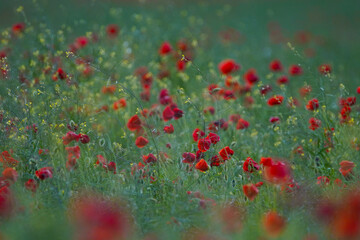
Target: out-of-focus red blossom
84 139
204 144
273 223
168 114
358 90
312 105
169 129
31 185
178 113
210 110
214 138
251 191
323 181
228 66
18 28
43 151
314 123
304 91
250 165
165 48
275 66
121 103
141 142
188 157
112 167
265 89
10 174
97 218
112 30
325 69
342 216
134 123
242 124
282 80
7 202
275 100
202 165
164 97
61 73
180 65
108 89
232 217
197 133
295 70
226 153
276 171
71 136
251 77
44 173
7 160
81 42
346 167
274 120
150 158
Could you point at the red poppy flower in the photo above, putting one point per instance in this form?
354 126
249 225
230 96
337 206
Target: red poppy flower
275 100
295 70
312 105
325 69
81 42
7 160
112 167
168 114
141 142
250 191
304 91
134 123
265 89
251 77
215 161
202 165
84 139
169 129
10 174
242 124
282 80
277 172
165 48
71 136
204 144
112 30
214 138
188 157
210 110
73 152
121 103
44 173
274 120
61 73
164 97
226 153
346 167
150 158
180 65
178 113
250 165
18 28
228 66
31 185
273 223
358 90
197 133
314 123
323 180
276 66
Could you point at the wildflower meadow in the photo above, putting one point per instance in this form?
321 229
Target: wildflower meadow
189 120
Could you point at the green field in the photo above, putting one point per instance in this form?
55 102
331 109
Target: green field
179 119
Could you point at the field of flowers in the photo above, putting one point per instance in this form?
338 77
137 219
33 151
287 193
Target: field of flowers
191 120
